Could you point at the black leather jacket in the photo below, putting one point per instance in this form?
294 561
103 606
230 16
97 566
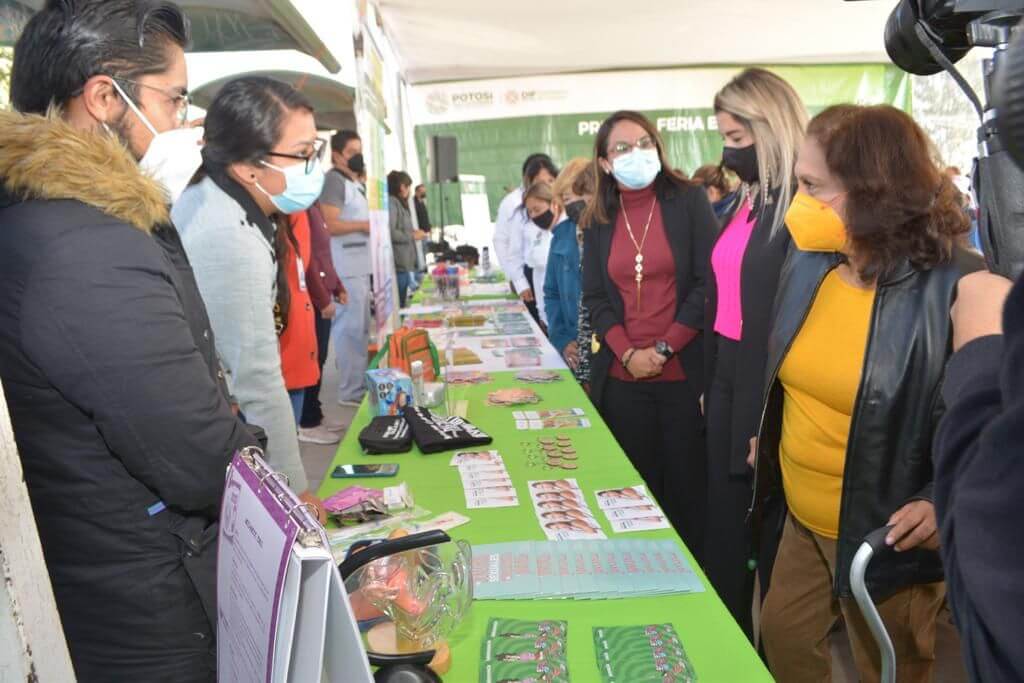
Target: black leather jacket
898 406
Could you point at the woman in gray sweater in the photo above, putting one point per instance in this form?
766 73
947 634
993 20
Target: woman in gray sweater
261 162
403 234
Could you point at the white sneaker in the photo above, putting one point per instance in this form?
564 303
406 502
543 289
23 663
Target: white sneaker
318 435
333 426
350 404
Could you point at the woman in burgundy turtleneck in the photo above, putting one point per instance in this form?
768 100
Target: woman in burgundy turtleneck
645 257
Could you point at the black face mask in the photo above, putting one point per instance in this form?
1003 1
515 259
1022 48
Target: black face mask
575 210
742 161
356 164
544 220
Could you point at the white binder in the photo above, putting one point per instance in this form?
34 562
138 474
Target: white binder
283 612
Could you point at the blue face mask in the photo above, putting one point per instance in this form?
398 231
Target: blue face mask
638 169
301 189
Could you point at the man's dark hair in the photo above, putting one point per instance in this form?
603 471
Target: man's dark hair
69 41
342 138
417 188
541 162
533 158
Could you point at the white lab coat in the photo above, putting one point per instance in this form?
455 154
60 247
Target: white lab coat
508 238
536 247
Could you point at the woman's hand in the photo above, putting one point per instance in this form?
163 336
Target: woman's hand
645 363
571 354
328 311
343 298
752 455
913 525
526 295
978 310
317 504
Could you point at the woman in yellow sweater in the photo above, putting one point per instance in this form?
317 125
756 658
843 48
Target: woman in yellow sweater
859 341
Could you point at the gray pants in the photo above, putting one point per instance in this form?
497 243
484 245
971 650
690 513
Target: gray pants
350 333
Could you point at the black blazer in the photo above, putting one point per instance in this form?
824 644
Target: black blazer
759 275
690 226
422 216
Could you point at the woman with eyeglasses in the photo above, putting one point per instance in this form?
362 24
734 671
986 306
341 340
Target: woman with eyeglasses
261 163
645 256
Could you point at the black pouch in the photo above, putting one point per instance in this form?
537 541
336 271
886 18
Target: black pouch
436 433
387 434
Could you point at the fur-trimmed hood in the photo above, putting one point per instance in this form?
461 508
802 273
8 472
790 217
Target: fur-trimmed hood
42 157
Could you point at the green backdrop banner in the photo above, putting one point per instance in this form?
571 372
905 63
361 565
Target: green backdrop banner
495 148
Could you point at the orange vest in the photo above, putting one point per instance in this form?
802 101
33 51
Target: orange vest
299 363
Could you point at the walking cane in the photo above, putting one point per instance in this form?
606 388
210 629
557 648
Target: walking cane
874 544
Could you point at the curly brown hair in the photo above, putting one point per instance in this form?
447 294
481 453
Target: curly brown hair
900 206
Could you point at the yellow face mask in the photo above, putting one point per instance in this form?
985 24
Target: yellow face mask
814 225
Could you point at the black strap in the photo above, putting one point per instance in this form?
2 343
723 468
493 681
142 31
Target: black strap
222 179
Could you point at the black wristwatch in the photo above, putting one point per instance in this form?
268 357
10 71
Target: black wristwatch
664 349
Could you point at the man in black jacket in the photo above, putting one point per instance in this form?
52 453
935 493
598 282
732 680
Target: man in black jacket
979 476
106 355
422 215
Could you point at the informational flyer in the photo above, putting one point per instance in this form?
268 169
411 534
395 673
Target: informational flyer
631 508
256 540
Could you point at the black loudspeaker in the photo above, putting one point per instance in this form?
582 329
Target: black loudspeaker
444 158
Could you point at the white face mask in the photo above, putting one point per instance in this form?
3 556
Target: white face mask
173 156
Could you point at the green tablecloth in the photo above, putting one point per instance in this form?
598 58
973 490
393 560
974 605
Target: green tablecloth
716 646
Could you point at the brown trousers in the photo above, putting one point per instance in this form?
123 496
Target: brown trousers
800 611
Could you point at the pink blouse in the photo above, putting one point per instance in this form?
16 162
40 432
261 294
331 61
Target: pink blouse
727 263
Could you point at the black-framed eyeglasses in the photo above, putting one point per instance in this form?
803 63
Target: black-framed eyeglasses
181 100
312 160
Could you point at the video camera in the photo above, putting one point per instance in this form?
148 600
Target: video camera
925 37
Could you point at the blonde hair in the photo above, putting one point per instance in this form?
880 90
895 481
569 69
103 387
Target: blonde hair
567 180
539 190
776 117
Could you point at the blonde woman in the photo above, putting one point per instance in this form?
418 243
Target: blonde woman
573 188
542 212
762 122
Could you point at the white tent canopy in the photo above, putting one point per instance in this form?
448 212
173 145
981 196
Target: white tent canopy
446 40
333 100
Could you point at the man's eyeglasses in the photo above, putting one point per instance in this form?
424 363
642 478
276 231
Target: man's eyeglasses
312 160
181 100
622 147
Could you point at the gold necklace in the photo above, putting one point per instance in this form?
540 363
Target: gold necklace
639 268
